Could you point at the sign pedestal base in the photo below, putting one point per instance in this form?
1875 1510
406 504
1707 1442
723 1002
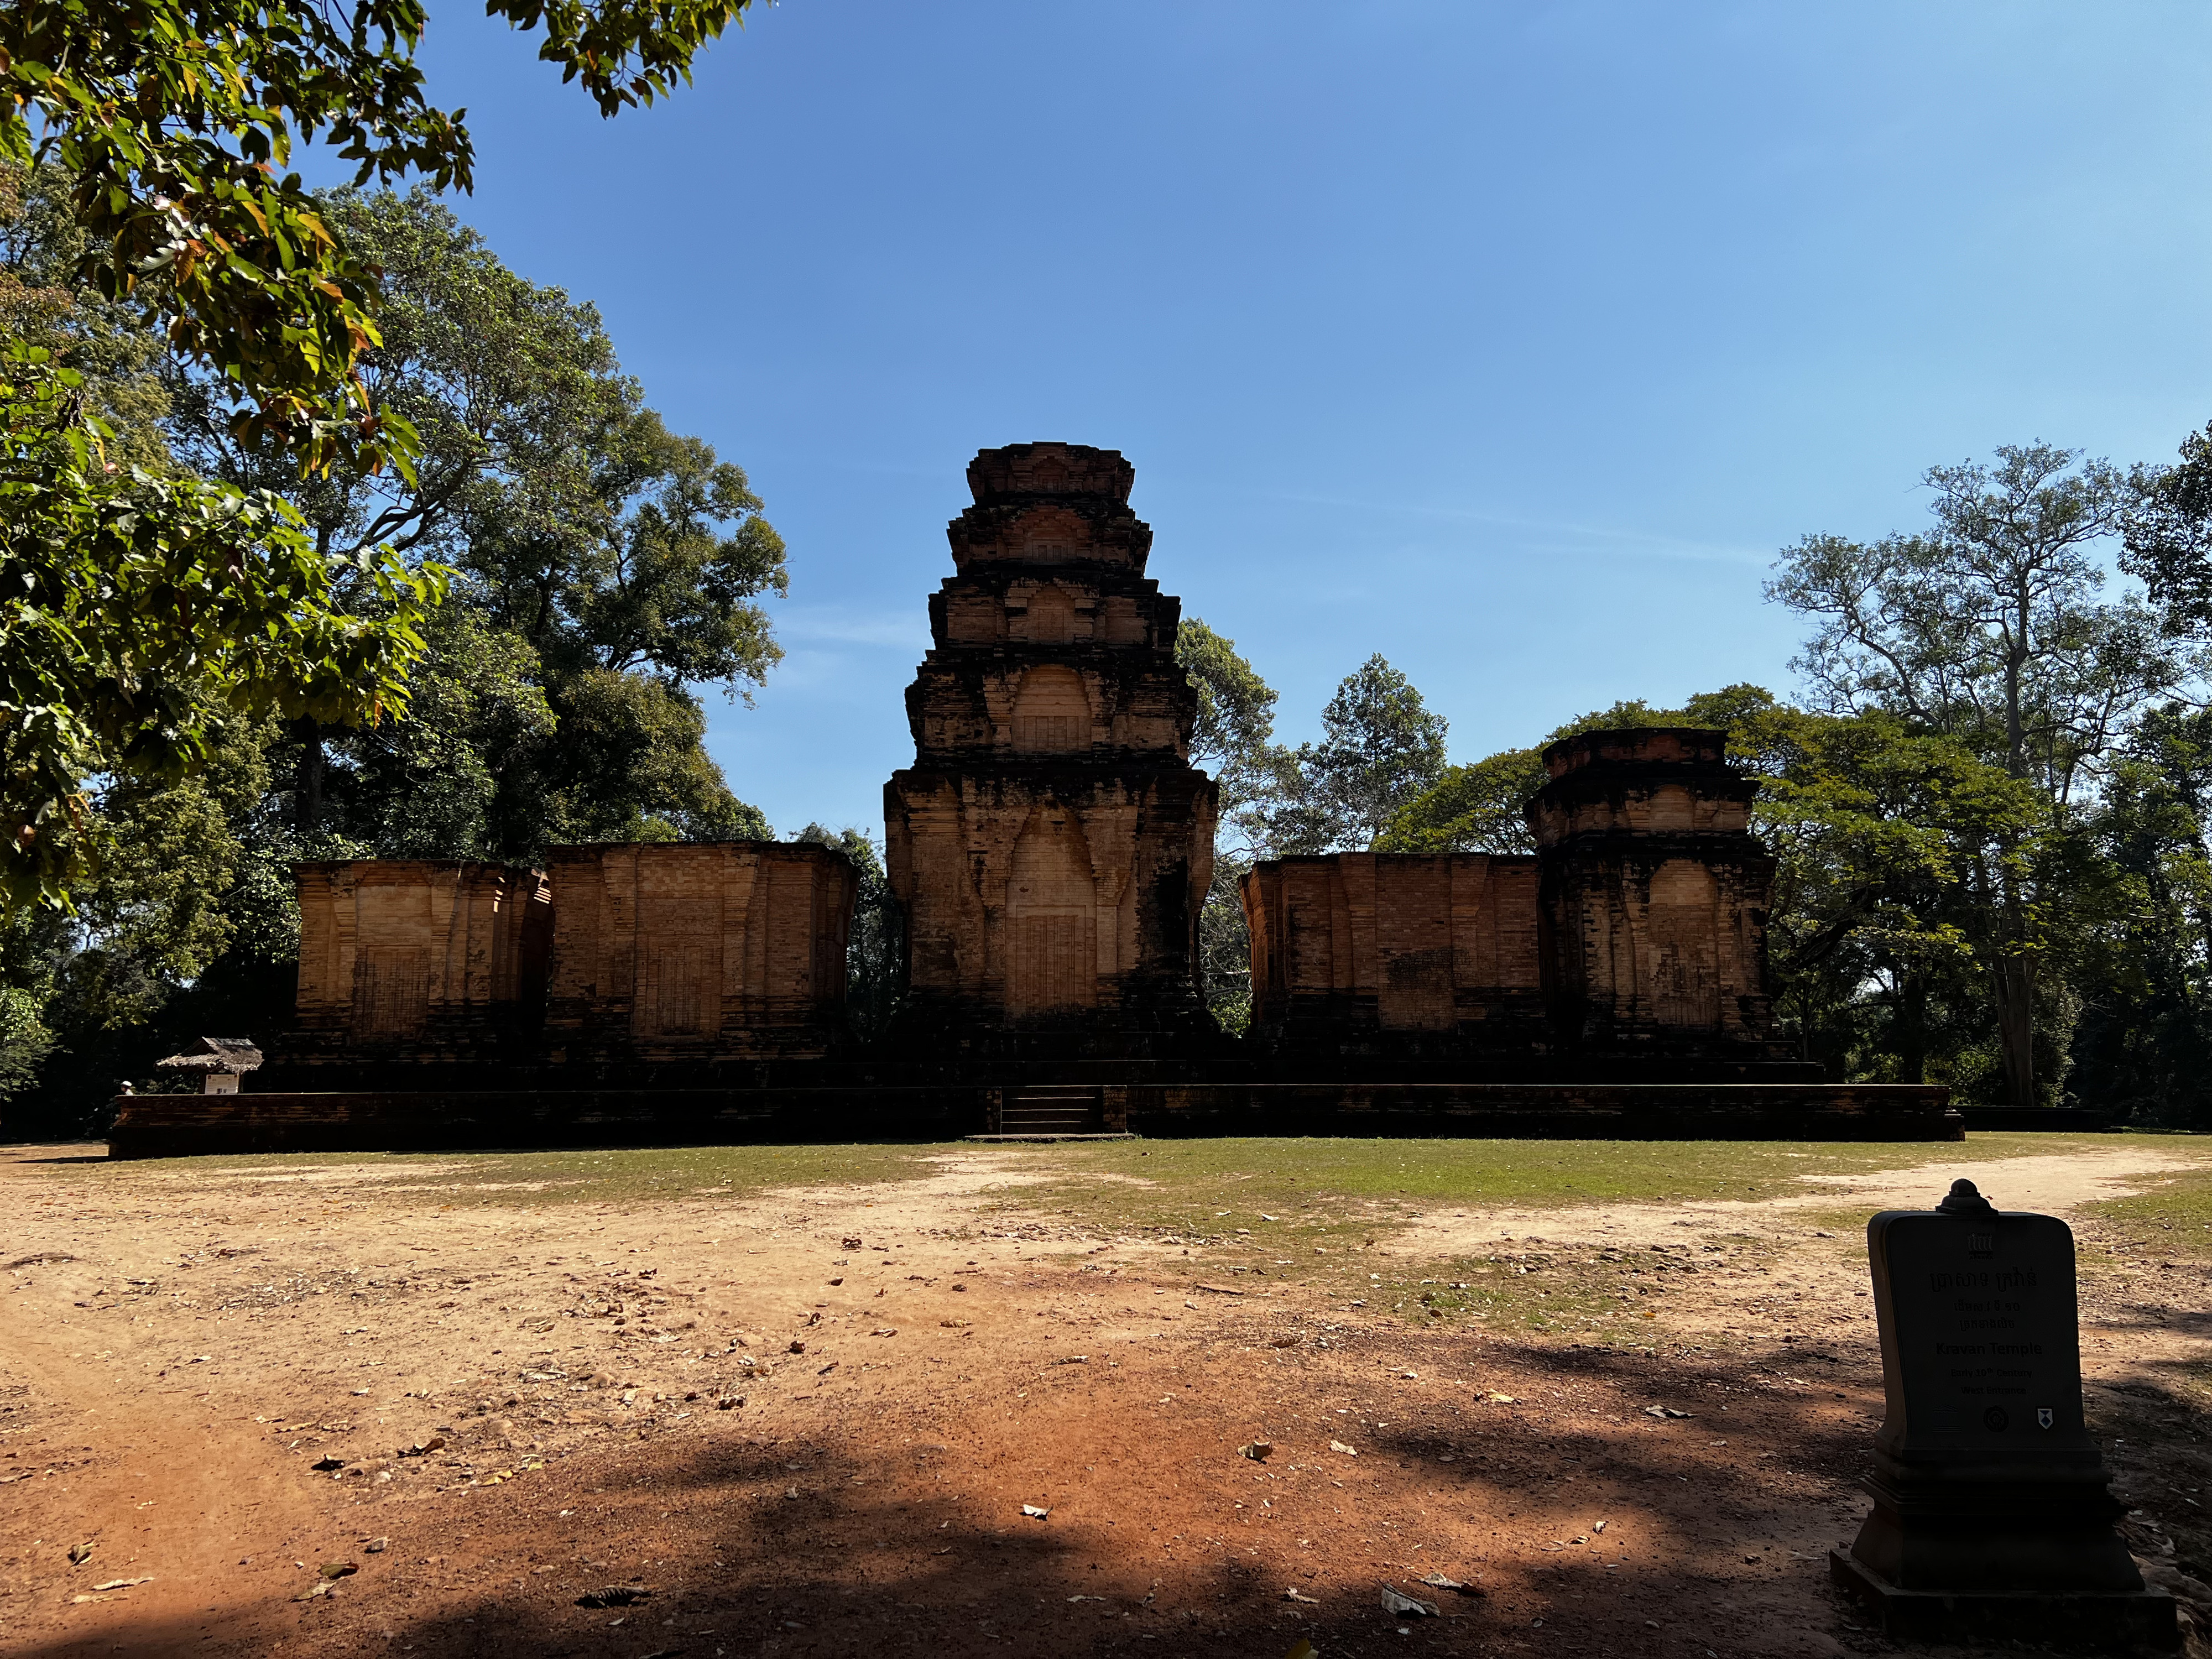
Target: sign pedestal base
2110 1620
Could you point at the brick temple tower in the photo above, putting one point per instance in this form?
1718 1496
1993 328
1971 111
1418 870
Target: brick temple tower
1654 897
1052 844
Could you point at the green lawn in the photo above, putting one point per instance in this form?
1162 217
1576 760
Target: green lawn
619 1176
2175 1215
1189 1183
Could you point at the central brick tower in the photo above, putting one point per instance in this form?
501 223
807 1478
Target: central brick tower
1052 844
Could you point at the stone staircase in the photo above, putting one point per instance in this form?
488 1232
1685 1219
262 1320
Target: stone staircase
1053 1108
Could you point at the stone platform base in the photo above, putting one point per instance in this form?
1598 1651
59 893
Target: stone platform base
171 1125
2132 1621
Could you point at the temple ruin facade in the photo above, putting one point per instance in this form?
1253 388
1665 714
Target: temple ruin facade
1050 850
1052 844
413 962
726 951
1631 942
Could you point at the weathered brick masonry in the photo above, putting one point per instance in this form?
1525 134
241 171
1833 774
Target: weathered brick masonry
1655 897
1398 954
1051 842
717 950
1051 846
1635 936
414 962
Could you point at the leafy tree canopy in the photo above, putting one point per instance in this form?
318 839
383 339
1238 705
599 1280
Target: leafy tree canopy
1380 747
139 611
174 118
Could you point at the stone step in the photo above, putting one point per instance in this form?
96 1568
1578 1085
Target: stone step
1053 1108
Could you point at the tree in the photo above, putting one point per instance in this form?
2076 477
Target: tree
875 954
1475 806
1988 628
2144 968
1235 726
574 521
1380 747
1873 934
1234 736
175 116
139 613
599 565
140 610
2168 536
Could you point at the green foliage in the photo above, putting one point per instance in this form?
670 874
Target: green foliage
115 983
1481 806
579 523
1233 738
1988 626
141 607
1380 747
875 953
1478 806
600 567
175 117
2168 536
138 612
2143 961
1988 629
1234 735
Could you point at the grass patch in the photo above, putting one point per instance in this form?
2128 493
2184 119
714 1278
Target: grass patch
2175 1215
619 1176
1310 1211
1195 1186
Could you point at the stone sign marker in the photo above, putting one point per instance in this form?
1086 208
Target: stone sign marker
1991 1512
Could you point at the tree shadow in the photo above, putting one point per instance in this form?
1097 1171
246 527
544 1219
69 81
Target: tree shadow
847 1543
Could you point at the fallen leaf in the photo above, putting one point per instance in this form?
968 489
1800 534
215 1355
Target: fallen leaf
1033 1512
1408 1606
1338 1446
1257 1450
122 1584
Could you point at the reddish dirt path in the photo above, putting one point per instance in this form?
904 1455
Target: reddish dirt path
867 1496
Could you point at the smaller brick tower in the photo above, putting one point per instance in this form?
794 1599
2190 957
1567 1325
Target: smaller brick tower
1051 842
1653 899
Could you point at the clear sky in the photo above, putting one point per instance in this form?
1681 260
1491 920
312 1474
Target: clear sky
1509 340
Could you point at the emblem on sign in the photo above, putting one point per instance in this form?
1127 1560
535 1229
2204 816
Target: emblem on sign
2043 1417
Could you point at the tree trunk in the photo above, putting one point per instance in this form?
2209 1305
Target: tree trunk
2015 987
1913 1027
307 777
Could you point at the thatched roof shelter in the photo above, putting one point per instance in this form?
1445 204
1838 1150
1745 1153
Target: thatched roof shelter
236 1055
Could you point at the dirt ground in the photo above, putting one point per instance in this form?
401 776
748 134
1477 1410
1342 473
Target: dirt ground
305 1407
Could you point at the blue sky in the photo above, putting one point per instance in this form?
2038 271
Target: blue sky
1510 341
